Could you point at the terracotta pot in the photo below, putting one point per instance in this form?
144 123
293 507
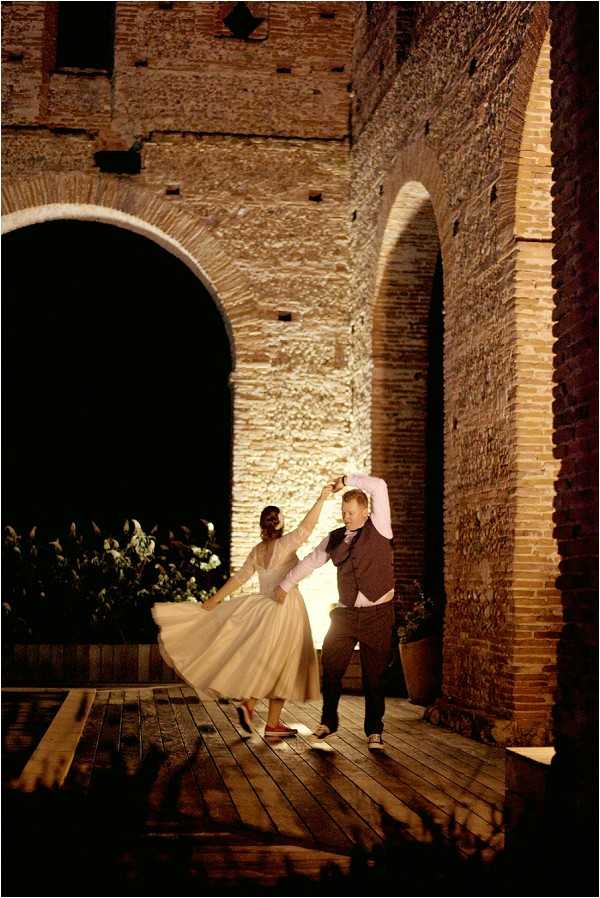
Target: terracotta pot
420 663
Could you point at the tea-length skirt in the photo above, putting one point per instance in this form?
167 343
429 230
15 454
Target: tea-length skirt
247 647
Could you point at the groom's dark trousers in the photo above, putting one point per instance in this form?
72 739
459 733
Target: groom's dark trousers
372 628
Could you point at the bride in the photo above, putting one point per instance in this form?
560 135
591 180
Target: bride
252 647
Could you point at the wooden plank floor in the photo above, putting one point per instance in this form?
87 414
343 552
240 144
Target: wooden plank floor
201 776
25 718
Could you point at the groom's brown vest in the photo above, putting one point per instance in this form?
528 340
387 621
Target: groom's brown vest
366 565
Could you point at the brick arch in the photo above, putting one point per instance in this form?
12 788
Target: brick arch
415 164
52 196
522 169
414 225
49 197
524 233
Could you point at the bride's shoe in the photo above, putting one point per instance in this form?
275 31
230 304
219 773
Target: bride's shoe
280 731
245 717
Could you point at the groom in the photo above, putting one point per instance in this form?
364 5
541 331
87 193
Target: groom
361 551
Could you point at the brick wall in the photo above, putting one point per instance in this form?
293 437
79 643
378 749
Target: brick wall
245 175
465 127
326 189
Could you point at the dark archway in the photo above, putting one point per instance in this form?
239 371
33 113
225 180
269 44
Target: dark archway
433 576
116 382
407 417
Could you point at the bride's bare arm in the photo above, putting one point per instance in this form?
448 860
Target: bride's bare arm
235 581
306 526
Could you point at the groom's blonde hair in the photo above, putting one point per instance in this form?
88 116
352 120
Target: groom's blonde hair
361 498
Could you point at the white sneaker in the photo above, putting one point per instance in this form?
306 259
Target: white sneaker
323 731
375 740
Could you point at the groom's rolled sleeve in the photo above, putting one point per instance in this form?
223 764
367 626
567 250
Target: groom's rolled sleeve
313 560
376 488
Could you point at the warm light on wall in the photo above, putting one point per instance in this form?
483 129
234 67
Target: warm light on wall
320 594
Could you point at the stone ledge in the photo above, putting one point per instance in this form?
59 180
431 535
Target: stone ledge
527 778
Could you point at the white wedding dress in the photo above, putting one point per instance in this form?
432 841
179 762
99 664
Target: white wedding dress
250 646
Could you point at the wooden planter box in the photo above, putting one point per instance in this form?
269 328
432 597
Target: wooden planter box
96 665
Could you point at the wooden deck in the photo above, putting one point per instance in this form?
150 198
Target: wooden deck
240 799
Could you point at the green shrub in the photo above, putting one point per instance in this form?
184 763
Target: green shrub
87 586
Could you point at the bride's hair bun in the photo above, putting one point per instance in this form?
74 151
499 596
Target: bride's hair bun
271 523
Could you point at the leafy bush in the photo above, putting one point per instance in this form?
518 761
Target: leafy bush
87 586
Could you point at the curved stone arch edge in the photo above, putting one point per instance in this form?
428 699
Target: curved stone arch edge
533 41
22 218
415 164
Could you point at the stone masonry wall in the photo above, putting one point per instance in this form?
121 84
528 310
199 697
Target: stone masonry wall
247 143
453 123
316 170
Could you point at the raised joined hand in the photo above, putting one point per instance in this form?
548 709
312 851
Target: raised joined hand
338 484
327 491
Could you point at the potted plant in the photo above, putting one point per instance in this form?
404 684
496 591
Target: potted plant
418 628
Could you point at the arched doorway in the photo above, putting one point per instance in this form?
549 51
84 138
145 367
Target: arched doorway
57 196
116 382
407 387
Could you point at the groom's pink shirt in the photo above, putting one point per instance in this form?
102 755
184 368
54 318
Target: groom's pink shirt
381 518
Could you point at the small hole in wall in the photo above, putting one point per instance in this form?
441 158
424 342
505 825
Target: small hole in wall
16 57
173 190
381 66
284 316
316 92
349 87
354 215
454 424
381 190
165 6
284 70
326 14
315 197
493 194
339 68
141 63
427 128
455 227
472 67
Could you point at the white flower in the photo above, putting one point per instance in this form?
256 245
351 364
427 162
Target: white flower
191 599
214 561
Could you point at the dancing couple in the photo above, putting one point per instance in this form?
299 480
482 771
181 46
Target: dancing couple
260 646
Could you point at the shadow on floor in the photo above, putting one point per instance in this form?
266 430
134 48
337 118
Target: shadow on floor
97 842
